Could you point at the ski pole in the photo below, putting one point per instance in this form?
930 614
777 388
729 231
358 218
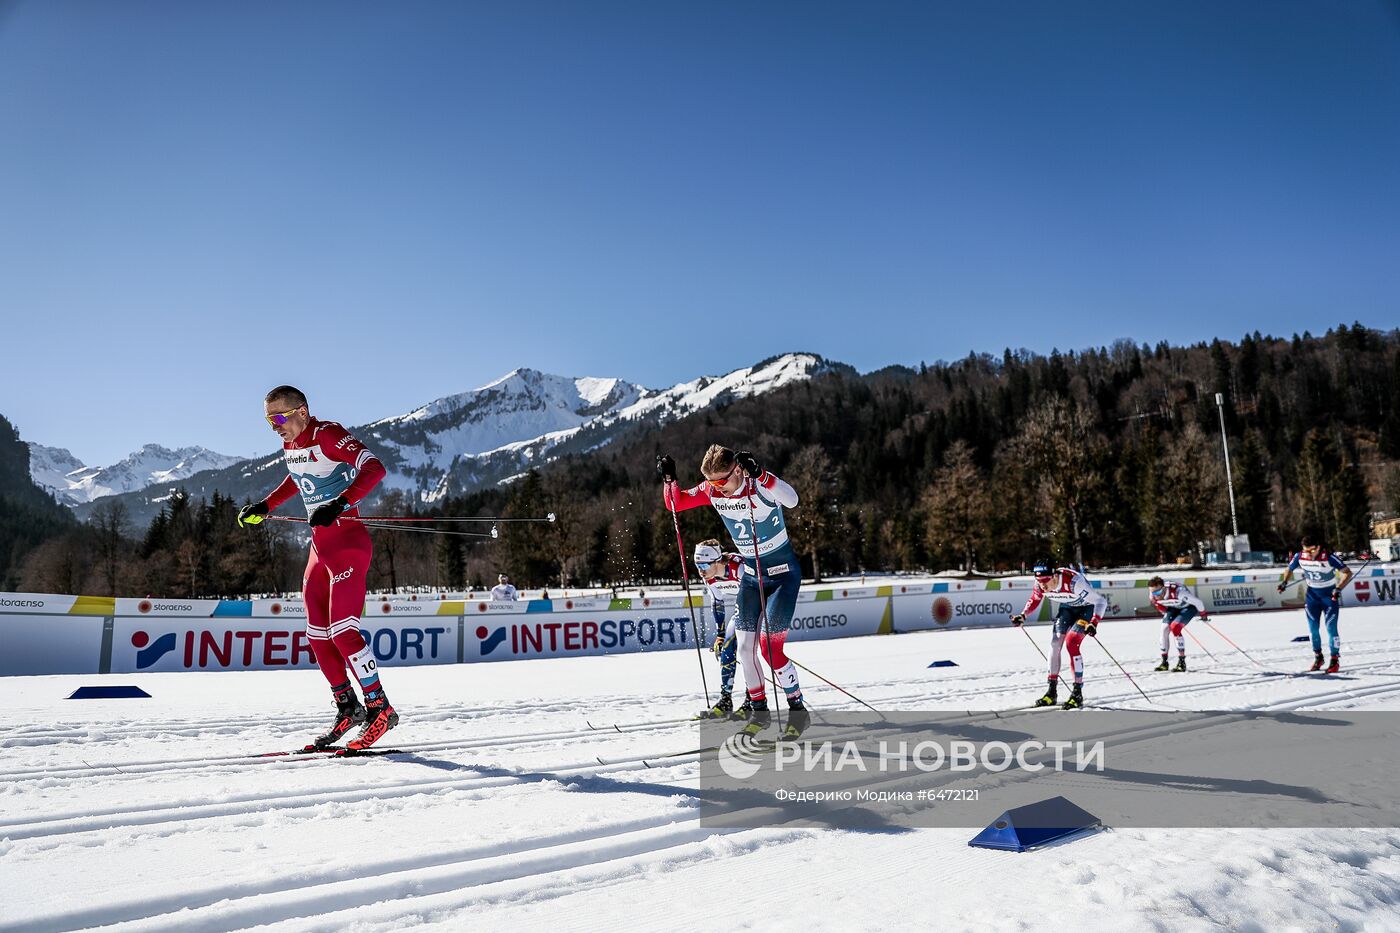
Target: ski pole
1037 647
1232 644
431 531
383 527
685 581
1353 576
1124 670
1201 643
832 685
404 518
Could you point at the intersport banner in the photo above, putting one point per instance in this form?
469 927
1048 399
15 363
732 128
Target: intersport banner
498 633
188 644
51 634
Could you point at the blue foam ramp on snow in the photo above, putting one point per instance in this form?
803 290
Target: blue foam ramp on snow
1035 824
108 693
944 664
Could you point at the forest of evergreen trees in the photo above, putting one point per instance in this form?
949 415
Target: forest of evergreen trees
1110 456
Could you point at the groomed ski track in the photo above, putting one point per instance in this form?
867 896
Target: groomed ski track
560 794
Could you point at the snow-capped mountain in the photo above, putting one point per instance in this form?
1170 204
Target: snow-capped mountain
72 482
525 418
652 406
522 405
490 435
49 468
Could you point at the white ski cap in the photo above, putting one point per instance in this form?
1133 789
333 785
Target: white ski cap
706 554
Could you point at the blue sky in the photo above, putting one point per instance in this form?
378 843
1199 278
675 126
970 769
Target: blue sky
387 203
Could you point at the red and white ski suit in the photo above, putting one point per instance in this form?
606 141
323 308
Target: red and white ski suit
1076 601
323 462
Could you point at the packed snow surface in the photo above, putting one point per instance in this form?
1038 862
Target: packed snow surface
155 814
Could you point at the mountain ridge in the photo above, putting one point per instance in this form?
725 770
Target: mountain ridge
469 440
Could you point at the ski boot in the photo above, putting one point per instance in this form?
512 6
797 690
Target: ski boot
798 721
1050 699
1317 662
348 714
380 717
1335 666
721 710
1076 698
741 714
1163 666
1180 664
759 719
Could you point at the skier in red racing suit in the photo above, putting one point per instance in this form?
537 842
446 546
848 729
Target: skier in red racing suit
332 471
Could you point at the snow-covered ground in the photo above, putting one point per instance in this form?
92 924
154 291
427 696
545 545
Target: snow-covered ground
154 814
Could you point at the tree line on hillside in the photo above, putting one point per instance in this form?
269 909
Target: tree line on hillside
1109 456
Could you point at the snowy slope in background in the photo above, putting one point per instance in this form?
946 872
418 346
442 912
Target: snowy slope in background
505 819
522 404
421 447
72 482
489 435
651 407
49 467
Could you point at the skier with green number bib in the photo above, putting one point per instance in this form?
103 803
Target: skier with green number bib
751 500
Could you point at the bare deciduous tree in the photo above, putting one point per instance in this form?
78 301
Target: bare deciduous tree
957 506
1063 452
811 473
110 526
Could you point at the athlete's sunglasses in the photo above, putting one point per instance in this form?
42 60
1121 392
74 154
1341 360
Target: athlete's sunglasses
280 418
723 480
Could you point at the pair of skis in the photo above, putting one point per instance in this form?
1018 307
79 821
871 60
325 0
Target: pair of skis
334 751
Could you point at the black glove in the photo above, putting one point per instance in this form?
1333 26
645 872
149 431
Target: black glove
1282 586
1336 594
252 514
1018 618
1091 630
749 463
328 513
666 468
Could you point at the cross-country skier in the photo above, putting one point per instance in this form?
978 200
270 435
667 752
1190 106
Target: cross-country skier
332 471
1178 606
1081 607
751 500
721 574
1324 599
